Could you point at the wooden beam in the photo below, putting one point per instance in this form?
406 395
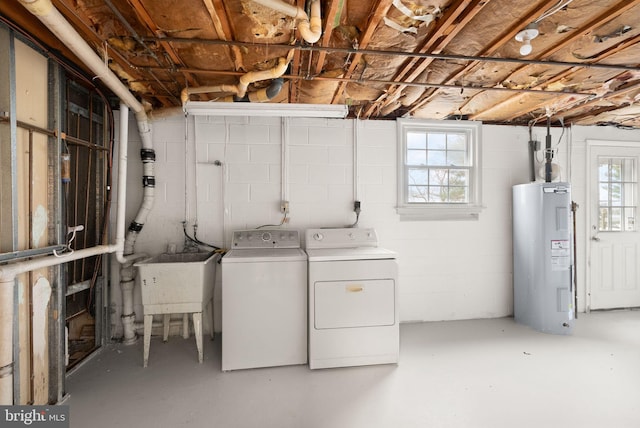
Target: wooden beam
220 21
453 21
296 64
144 16
493 46
566 73
593 24
329 24
378 12
81 22
594 101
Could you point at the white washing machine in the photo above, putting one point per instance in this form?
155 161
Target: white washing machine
353 299
264 300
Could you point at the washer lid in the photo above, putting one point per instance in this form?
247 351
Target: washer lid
264 255
358 253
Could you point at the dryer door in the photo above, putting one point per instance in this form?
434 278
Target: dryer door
344 304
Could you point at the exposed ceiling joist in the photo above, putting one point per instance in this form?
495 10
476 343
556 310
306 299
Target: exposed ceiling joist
385 58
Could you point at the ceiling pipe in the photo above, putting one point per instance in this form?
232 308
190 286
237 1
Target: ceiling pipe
215 89
240 90
310 29
255 76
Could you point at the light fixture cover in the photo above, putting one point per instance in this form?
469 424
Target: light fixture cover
526 48
525 36
212 108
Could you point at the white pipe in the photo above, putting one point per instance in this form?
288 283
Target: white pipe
310 30
56 23
240 90
284 159
356 177
6 341
254 76
49 15
123 147
10 271
8 275
186 92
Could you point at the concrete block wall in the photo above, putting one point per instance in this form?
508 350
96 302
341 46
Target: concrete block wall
233 172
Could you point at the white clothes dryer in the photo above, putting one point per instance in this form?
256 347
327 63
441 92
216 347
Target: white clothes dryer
353 299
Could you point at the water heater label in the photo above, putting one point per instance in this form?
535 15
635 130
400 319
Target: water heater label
560 254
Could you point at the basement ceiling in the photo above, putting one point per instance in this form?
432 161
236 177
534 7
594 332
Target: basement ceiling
430 59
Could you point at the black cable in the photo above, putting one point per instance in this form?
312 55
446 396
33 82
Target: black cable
194 240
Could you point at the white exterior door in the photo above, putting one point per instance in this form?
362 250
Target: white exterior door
614 244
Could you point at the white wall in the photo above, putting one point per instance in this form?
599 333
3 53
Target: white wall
448 269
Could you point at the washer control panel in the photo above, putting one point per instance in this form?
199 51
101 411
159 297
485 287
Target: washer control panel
342 237
266 238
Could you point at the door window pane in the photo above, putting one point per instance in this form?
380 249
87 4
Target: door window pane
617 194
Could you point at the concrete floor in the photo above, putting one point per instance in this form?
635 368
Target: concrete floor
479 373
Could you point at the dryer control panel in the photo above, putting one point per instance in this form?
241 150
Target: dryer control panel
265 238
341 237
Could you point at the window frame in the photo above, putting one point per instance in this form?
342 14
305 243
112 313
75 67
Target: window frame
440 210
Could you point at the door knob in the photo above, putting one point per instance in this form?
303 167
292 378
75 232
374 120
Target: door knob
595 238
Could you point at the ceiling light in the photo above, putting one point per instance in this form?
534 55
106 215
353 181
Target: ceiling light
208 108
525 36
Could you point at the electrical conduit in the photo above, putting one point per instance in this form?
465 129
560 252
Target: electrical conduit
123 248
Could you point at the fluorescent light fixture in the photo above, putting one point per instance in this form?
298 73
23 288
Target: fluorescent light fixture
208 108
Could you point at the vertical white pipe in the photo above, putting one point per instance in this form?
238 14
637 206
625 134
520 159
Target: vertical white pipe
123 147
284 158
356 177
126 270
6 341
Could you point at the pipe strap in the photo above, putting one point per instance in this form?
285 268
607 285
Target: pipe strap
148 155
135 227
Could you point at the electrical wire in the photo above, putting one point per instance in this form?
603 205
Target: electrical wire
357 219
194 239
558 7
284 219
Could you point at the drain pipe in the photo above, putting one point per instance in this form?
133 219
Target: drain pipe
254 76
186 92
310 29
124 248
8 274
57 24
240 90
263 95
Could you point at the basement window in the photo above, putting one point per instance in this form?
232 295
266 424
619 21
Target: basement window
439 174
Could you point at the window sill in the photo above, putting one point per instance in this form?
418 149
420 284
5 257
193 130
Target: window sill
444 212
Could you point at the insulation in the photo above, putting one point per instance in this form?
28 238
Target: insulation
172 55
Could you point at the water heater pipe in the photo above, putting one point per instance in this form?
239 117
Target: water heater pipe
548 153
